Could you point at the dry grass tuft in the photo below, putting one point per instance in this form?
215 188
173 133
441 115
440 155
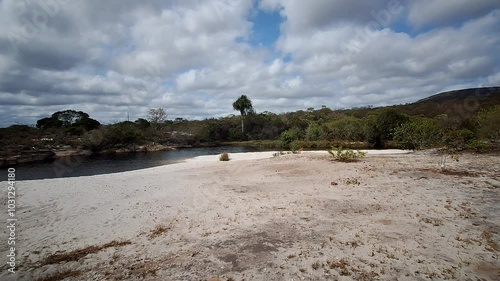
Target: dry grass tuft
492 245
61 275
433 221
80 253
342 266
368 276
316 265
158 230
450 172
224 156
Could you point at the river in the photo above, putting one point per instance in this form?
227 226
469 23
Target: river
77 166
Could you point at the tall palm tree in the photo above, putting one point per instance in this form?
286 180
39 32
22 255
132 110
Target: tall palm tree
244 106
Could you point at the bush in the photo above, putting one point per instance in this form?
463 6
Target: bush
288 136
420 133
489 124
459 139
93 140
314 132
346 155
347 129
224 156
381 126
295 146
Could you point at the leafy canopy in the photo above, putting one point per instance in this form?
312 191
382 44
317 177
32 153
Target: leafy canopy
243 105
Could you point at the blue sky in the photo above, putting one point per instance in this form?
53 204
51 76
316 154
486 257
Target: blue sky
194 58
266 28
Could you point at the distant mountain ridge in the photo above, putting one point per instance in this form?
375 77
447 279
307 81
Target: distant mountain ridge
458 103
463 94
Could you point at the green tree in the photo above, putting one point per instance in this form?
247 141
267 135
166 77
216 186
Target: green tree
314 132
69 116
289 136
49 122
87 123
419 133
382 125
489 124
459 139
244 106
347 128
142 123
74 122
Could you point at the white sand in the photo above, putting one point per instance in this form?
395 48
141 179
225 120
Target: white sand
269 154
300 217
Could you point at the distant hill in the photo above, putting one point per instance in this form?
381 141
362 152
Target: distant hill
459 103
463 94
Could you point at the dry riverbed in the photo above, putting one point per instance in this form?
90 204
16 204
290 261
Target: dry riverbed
292 217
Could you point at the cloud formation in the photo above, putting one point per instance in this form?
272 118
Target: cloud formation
195 57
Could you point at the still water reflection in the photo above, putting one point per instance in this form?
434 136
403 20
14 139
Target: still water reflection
96 165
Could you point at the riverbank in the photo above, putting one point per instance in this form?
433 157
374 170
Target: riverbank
13 158
136 148
307 145
258 217
49 155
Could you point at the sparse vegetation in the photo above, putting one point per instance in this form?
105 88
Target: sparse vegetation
491 245
341 266
277 154
346 155
432 221
80 253
158 230
316 265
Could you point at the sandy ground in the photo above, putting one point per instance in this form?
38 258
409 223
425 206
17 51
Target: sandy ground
292 217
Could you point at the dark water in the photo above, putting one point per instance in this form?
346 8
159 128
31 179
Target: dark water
95 165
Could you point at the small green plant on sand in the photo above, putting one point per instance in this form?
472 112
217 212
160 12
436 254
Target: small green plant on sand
224 156
280 153
346 155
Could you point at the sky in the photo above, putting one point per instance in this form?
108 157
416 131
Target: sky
196 57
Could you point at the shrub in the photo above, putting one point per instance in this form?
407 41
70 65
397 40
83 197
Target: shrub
459 139
346 155
224 156
347 129
295 146
287 137
419 133
314 132
93 140
488 122
381 126
280 153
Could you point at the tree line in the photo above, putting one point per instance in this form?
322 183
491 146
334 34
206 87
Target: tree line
312 128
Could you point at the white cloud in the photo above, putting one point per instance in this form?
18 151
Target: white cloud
436 12
192 57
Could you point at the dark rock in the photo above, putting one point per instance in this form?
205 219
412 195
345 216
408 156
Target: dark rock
28 157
